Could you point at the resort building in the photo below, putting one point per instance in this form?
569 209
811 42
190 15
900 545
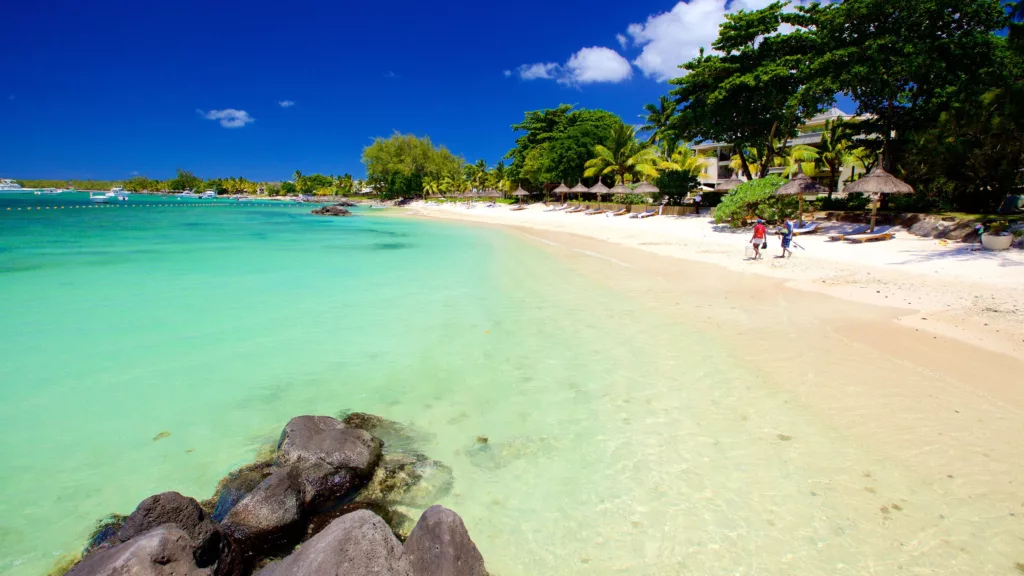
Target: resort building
716 156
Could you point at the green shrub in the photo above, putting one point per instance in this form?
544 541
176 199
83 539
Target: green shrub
756 199
631 199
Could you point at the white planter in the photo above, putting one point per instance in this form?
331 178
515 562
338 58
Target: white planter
997 241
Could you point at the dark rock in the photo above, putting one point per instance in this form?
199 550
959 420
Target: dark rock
408 479
397 437
213 549
346 203
356 543
401 524
310 440
323 486
440 546
105 533
332 210
236 486
269 519
163 551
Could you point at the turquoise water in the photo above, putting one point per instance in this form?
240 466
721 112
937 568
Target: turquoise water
624 439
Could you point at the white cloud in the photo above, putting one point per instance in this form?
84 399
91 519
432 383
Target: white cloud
674 37
507 73
134 172
623 41
596 64
229 117
539 71
286 103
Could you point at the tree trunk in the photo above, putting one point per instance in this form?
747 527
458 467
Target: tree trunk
743 163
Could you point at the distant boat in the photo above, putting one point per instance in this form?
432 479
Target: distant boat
209 194
99 197
188 194
8 185
119 193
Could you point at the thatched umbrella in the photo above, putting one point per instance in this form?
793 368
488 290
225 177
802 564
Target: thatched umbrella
729 184
876 183
561 190
598 189
646 188
800 185
520 193
579 189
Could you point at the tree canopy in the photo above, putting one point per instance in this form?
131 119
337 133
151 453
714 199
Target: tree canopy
397 166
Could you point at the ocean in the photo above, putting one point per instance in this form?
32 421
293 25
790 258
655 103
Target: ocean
158 344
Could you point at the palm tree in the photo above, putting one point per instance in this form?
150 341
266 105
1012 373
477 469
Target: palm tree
836 150
798 154
623 156
658 118
679 158
499 177
431 185
753 158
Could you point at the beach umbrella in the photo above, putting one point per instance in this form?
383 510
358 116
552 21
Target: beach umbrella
598 189
800 185
647 189
876 183
727 185
579 188
520 193
561 190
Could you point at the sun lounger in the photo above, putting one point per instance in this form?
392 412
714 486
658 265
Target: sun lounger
518 207
808 229
557 208
593 211
841 237
646 214
870 236
621 212
575 210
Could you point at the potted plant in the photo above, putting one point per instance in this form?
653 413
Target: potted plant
996 235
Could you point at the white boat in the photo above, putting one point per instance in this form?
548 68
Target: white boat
209 194
7 184
99 197
119 193
188 194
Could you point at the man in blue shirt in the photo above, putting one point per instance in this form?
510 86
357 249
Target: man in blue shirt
787 236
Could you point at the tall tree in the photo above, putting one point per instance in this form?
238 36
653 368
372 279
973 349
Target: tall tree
555 144
659 118
836 150
754 91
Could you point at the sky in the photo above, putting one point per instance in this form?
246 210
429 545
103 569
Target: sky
108 89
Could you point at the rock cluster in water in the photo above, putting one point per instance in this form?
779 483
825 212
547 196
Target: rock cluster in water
333 210
324 503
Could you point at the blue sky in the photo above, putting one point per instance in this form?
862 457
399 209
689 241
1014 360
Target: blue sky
110 88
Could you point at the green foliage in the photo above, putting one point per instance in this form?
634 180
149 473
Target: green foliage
396 166
676 185
622 157
756 198
76 184
289 189
631 199
556 144
185 180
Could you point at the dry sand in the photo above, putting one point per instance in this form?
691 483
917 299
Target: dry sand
951 290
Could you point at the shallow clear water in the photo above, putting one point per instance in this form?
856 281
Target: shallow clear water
622 440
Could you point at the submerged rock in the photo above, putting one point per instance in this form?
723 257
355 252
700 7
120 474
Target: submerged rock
397 437
212 548
163 551
440 546
493 455
105 532
332 210
313 440
408 480
356 543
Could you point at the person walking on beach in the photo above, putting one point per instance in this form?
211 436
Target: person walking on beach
786 233
759 238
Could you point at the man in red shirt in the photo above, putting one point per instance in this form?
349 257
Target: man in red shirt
758 239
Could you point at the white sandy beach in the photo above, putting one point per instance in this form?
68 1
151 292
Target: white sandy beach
954 290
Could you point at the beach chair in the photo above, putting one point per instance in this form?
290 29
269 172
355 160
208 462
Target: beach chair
808 229
621 212
558 208
518 207
491 205
579 208
593 211
878 234
646 214
841 237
